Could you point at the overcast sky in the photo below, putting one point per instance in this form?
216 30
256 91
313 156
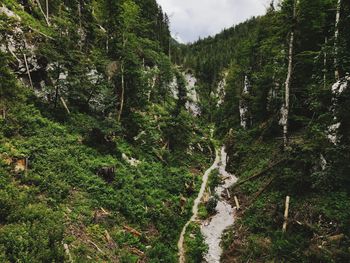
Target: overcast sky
191 19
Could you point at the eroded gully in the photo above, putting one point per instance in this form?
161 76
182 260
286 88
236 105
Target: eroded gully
213 228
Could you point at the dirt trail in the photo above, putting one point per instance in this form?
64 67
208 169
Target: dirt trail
180 244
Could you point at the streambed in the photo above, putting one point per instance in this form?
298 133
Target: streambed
213 228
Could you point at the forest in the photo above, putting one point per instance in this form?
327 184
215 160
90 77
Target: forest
108 127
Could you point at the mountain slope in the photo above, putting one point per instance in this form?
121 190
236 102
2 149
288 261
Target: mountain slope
99 161
242 75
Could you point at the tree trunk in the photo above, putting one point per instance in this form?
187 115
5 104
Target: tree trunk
122 94
57 89
47 9
286 213
336 38
81 33
122 69
28 72
289 80
42 11
65 105
56 96
325 64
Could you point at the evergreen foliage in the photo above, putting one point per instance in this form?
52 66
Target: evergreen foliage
101 162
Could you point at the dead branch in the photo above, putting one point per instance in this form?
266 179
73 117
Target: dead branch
110 240
237 203
307 225
92 243
41 33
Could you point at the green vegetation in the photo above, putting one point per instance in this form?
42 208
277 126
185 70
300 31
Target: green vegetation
100 161
195 246
94 149
252 58
214 180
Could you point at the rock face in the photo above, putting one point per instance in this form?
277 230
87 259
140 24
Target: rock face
192 103
20 42
221 92
244 111
17 41
192 96
7 12
338 89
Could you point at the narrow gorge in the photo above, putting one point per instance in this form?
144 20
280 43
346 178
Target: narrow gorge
119 143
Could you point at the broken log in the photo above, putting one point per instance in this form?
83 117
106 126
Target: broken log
65 105
137 252
336 238
237 203
228 193
100 215
132 231
108 237
21 164
110 241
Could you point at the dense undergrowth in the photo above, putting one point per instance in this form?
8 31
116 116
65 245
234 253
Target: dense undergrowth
99 162
100 159
62 198
296 55
317 229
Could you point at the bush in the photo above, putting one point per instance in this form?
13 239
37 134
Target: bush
211 205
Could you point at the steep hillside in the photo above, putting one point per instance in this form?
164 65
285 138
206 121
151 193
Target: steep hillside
99 158
277 88
107 126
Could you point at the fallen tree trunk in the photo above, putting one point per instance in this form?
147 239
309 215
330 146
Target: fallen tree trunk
259 174
262 190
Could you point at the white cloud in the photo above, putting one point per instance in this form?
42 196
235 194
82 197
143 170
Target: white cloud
191 19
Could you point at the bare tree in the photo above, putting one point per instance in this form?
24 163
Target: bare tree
47 9
286 106
46 15
325 64
336 39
